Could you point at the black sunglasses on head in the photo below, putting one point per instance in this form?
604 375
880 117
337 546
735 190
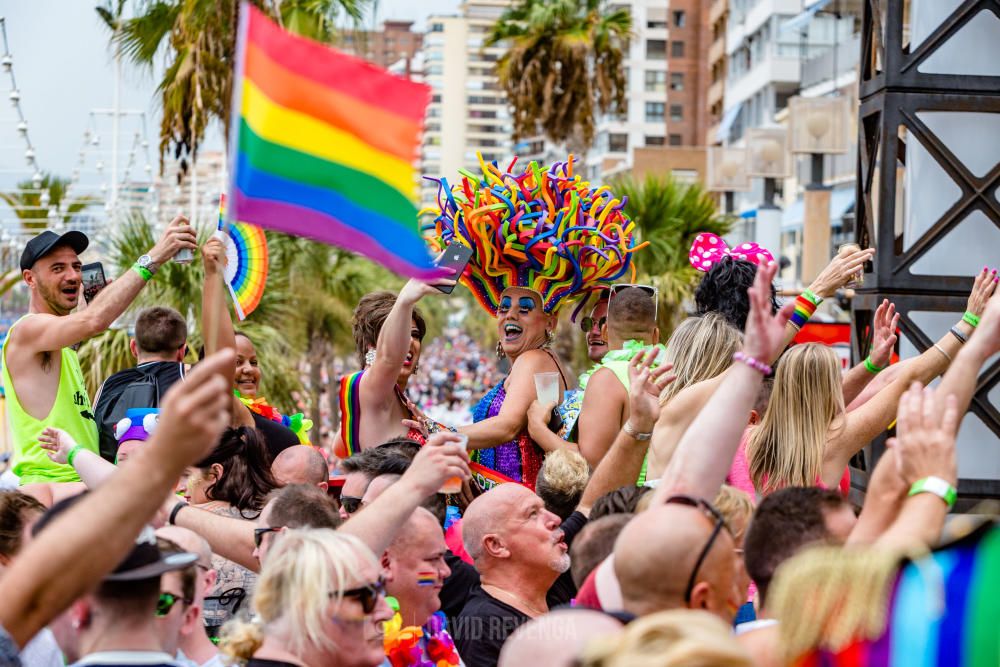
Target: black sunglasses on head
351 504
367 595
259 533
166 602
720 523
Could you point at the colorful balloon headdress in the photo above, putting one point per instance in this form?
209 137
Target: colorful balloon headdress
544 229
137 424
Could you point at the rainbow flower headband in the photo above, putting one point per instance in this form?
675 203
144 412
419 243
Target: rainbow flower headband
544 229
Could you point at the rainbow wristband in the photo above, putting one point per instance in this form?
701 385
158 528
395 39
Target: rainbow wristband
811 296
72 454
143 272
804 309
970 319
872 368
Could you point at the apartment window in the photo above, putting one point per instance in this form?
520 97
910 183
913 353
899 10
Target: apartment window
654 141
675 140
676 112
437 27
655 24
656 49
676 81
680 18
618 142
656 82
676 49
655 112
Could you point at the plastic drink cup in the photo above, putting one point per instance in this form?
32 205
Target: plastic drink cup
184 256
454 485
547 387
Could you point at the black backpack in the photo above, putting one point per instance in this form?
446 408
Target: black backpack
131 388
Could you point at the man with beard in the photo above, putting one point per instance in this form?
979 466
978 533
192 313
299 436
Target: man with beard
41 373
520 550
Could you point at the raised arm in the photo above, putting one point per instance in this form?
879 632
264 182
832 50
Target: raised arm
442 458
42 332
228 537
706 450
60 447
513 415
623 462
72 555
864 423
883 341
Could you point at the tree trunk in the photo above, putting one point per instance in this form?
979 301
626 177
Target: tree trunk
315 387
332 396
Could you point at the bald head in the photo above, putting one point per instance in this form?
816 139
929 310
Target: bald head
420 524
656 553
486 514
300 464
556 639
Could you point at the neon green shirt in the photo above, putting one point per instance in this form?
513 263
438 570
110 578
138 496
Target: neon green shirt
70 411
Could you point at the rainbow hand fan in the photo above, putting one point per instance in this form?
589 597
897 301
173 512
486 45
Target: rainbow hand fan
246 266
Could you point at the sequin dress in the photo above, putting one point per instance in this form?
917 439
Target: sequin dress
520 459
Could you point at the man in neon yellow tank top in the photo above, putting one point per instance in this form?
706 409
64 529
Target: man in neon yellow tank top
631 326
41 373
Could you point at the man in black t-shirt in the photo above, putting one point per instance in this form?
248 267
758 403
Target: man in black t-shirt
520 550
159 345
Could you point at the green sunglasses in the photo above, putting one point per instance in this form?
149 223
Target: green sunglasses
166 602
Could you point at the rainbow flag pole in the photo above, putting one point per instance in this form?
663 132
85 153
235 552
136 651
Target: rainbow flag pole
322 145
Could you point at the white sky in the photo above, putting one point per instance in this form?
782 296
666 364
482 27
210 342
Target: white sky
63 69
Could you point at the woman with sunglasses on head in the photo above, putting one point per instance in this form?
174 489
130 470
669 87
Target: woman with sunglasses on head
320 602
232 481
540 238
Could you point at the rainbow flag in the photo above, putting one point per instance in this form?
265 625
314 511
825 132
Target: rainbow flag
322 145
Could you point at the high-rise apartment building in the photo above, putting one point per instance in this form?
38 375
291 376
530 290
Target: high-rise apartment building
687 79
468 112
715 35
393 47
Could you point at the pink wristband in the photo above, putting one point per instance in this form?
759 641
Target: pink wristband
755 364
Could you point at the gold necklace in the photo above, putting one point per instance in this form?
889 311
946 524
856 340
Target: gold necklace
516 598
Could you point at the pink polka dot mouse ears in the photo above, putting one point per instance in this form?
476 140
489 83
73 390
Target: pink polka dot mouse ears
709 249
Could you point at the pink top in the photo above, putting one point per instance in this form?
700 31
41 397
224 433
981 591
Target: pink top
739 472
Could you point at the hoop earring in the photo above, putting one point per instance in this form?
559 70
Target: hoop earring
369 357
500 353
550 338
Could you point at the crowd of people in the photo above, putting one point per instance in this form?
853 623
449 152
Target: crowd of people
683 502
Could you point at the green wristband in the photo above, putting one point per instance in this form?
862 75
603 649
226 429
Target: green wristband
72 454
872 368
809 294
970 319
937 486
143 272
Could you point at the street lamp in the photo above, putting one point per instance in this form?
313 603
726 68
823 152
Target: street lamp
727 172
818 127
768 152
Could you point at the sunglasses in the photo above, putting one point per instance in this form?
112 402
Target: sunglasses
351 504
720 523
651 291
588 323
166 602
259 533
367 595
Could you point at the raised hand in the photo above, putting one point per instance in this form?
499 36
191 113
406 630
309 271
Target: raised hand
884 337
645 386
983 288
213 255
414 289
178 235
442 458
57 444
925 445
839 272
987 334
765 336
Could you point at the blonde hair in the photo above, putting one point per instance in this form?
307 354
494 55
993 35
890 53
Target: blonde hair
293 590
561 480
846 590
700 349
736 507
786 448
675 638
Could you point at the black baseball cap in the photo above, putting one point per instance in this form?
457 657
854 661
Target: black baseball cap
47 241
146 561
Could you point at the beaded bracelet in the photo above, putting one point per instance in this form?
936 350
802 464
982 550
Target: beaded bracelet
755 364
872 368
970 319
809 294
804 309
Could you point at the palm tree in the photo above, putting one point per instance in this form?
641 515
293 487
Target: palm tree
563 64
38 204
199 40
669 215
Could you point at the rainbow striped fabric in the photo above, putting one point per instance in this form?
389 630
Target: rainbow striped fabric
350 412
322 145
944 612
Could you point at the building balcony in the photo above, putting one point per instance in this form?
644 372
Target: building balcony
717 51
716 92
716 10
779 70
832 63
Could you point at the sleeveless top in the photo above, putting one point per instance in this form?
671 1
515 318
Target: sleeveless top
520 459
70 411
350 415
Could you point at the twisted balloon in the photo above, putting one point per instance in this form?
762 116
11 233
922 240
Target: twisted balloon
544 229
